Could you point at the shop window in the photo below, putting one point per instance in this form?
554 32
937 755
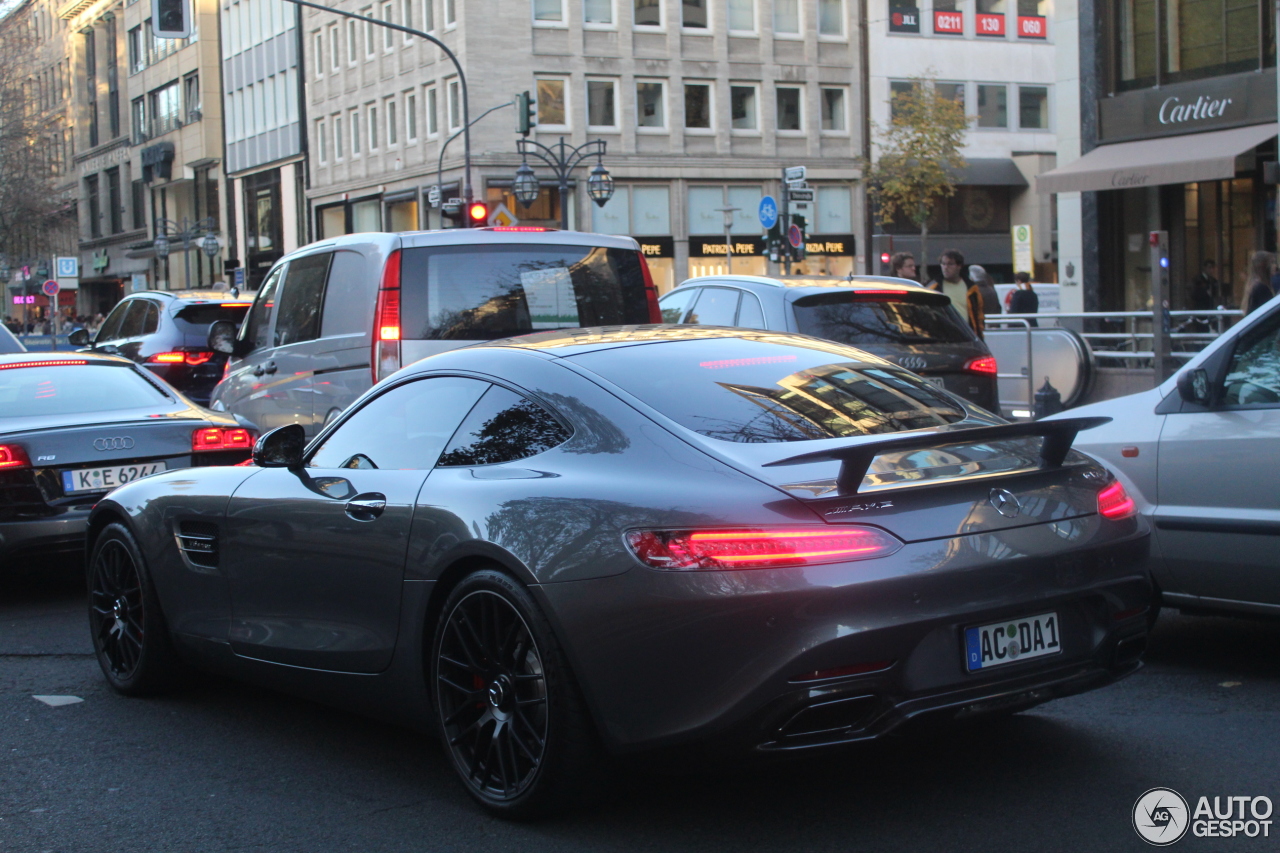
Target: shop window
615 216
403 215
366 216
993 105
650 211
834 214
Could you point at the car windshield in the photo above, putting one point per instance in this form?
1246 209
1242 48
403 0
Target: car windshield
472 293
881 319
753 390
72 389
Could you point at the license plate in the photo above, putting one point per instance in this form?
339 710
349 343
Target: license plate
102 479
1011 640
935 381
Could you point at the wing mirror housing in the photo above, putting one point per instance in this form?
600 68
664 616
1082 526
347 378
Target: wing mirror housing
1193 386
281 447
223 338
79 338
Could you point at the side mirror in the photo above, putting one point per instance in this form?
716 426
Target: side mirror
79 338
222 337
1193 386
280 448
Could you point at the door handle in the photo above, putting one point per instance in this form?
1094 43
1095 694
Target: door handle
366 507
271 367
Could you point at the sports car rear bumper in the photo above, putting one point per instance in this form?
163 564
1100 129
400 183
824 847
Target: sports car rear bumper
44 535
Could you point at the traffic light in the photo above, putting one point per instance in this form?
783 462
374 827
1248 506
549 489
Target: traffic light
526 113
171 19
477 215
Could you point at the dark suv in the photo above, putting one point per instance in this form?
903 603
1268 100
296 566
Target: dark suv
893 318
167 332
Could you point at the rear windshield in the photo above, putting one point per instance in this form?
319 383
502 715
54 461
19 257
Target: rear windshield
753 391
208 314
881 319
74 389
476 294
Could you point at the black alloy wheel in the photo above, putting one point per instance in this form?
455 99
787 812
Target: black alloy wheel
508 710
129 635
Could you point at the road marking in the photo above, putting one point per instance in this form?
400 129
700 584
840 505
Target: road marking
56 701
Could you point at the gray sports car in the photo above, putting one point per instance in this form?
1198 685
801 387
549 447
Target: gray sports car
585 541
73 426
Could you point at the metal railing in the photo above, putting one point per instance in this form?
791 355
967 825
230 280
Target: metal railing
1132 343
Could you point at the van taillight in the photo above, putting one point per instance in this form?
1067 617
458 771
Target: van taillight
385 357
650 292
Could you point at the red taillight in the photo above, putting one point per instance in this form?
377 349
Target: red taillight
1114 502
985 364
13 456
221 438
53 362
180 357
385 358
764 548
650 292
519 228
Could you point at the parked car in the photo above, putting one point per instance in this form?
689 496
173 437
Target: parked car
9 342
1201 456
333 318
73 426
894 318
619 539
167 332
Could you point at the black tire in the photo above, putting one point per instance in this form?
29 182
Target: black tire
509 713
129 632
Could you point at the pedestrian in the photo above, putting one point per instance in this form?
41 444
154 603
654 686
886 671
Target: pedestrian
964 297
1025 300
1204 288
981 280
1258 292
903 265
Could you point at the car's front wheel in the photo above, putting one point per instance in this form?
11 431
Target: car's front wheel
510 715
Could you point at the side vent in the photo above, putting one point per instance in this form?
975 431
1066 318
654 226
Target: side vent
198 541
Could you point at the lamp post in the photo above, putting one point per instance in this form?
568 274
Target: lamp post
728 239
562 159
187 233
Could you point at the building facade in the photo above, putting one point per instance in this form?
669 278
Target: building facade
1177 105
701 106
997 57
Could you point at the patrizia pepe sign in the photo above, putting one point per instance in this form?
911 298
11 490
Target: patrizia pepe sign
1213 104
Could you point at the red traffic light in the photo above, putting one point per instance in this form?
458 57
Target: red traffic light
477 213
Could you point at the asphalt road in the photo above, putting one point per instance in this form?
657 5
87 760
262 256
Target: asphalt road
223 767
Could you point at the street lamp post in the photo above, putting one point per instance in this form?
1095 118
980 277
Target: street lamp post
186 233
562 159
728 239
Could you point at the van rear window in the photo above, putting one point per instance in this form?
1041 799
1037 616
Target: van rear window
476 294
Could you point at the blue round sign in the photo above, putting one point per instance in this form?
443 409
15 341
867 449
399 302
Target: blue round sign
768 211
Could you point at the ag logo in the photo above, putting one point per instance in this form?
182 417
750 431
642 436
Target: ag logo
1160 816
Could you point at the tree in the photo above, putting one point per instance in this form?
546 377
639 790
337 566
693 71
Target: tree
917 157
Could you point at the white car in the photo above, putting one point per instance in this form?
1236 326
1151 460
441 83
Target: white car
1200 454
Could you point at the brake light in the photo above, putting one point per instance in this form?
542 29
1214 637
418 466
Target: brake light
985 364
221 438
12 456
650 292
518 228
385 358
180 357
53 362
762 548
1114 502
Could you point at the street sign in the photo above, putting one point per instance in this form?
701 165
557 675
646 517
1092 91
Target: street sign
800 195
237 277
794 173
503 217
794 237
768 211
68 267
1023 256
50 288
433 196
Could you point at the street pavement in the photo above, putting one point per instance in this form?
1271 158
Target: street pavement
224 767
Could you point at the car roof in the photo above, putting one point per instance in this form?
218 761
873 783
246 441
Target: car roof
194 296
43 357
495 236
566 342
809 282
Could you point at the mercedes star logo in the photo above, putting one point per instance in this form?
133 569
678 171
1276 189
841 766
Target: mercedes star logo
913 362
1005 502
122 442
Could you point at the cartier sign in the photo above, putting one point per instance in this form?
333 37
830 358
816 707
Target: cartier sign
1173 111
1213 104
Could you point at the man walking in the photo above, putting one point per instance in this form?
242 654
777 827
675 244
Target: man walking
966 298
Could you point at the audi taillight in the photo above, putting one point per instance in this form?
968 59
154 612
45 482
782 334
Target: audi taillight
13 456
985 364
758 548
650 292
385 358
192 358
1114 502
221 438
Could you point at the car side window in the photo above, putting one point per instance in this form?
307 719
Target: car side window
151 317
750 312
299 316
258 323
347 306
135 321
716 306
404 428
1253 376
503 427
675 303
110 330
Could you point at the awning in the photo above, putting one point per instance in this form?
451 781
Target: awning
989 172
1151 162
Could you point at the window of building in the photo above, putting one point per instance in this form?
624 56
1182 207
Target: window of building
1170 41
993 105
651 110
833 114
355 132
697 106
322 141
334 56
694 14
317 48
138 202
352 44
455 104
406 13
115 208
548 11
789 109
897 88
831 18
786 17
137 50
552 105
166 109
742 16
389 107
428 15
433 122
367 12
388 34
835 211
602 99
648 13
1033 107
411 117
94 205
191 97
742 107
954 91
597 13
450 13
338 138
138 119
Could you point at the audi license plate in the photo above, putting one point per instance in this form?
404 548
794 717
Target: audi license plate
102 479
1012 640
935 381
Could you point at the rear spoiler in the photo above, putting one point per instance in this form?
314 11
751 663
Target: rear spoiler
856 459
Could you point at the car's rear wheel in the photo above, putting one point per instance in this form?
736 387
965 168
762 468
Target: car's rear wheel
509 712
129 634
